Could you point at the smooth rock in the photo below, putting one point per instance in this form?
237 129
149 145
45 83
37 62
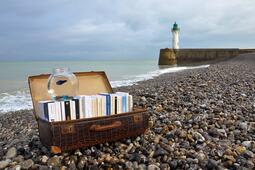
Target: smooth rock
54 161
153 167
247 144
243 125
212 164
11 153
178 123
160 152
27 164
4 164
44 159
248 154
199 137
18 167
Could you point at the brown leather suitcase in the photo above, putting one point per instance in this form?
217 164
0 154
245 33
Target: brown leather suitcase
74 134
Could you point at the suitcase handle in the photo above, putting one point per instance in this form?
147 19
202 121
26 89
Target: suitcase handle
106 127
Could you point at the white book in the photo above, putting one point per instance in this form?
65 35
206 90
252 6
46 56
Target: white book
99 105
72 110
42 108
88 106
130 99
52 112
58 111
63 114
126 100
119 106
114 104
82 107
103 105
95 111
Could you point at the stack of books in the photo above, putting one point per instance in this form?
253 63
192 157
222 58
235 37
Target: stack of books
85 106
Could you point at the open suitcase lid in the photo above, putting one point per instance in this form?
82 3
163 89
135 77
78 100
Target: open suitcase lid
90 83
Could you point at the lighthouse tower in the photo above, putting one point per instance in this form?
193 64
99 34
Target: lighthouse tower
175 32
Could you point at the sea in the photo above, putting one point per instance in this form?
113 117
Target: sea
14 91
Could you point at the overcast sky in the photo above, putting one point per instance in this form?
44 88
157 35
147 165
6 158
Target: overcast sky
119 29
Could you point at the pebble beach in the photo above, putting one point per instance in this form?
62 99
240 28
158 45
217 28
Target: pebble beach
199 119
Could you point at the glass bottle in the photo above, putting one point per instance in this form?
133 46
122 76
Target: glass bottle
62 84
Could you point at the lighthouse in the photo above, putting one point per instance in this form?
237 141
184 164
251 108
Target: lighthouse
175 33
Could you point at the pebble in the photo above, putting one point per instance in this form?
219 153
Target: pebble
44 159
130 146
153 167
160 152
54 161
11 153
212 164
248 154
243 125
4 164
246 144
18 167
199 137
27 164
178 123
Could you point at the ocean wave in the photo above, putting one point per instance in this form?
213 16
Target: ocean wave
150 75
21 100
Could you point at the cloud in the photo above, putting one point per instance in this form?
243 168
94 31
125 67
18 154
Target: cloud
65 29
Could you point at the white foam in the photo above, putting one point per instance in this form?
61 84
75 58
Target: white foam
21 100
150 75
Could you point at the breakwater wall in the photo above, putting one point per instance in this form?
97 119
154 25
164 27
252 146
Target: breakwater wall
248 50
181 56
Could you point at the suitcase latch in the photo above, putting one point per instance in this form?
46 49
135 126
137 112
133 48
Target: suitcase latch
137 118
67 129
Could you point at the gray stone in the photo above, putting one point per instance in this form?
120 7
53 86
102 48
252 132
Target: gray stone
153 167
178 123
17 167
11 153
44 159
212 164
199 137
142 167
248 154
143 99
247 144
222 132
243 125
27 164
54 161
19 158
4 164
160 152
43 167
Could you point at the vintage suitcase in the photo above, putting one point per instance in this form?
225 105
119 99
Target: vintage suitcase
74 134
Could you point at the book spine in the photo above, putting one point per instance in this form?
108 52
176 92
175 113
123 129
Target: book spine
67 110
72 107
77 108
131 103
108 105
82 107
63 114
58 111
116 105
46 111
123 103
51 112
